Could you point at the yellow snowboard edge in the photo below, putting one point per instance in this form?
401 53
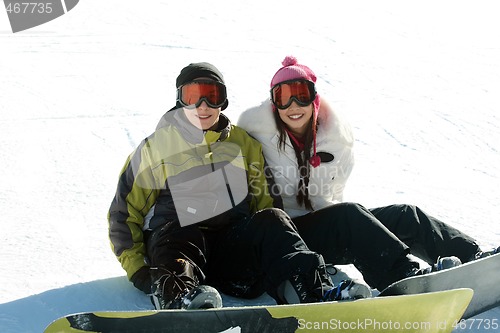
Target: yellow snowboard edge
435 312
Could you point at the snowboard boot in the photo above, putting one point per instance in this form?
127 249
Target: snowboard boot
181 290
349 281
406 267
445 263
484 254
317 287
348 290
441 264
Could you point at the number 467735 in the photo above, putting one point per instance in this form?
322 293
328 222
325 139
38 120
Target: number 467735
29 7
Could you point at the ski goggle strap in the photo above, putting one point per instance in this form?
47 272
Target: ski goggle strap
303 92
194 93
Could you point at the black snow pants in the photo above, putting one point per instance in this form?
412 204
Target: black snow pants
427 237
244 259
376 241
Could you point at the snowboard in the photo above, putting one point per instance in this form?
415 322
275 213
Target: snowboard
429 313
482 276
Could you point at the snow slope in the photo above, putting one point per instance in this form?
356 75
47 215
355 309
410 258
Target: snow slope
419 81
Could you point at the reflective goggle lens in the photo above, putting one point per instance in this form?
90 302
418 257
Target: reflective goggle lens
302 92
194 93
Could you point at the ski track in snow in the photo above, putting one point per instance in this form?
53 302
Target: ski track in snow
420 86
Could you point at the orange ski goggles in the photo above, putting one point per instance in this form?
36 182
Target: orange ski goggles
303 92
194 93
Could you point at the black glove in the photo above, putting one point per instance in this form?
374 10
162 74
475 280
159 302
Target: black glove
142 279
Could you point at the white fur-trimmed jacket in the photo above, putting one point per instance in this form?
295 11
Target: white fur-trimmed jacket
334 144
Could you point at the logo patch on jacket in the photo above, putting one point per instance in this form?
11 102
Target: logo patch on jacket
325 157
216 185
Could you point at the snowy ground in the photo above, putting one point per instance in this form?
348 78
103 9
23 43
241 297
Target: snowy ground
419 81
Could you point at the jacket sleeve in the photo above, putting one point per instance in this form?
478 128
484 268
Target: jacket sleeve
260 179
347 164
135 195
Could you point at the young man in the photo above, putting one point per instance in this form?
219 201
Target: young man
192 208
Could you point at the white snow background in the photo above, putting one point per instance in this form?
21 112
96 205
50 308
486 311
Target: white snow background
418 80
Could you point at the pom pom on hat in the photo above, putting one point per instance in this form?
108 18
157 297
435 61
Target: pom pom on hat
292 70
289 61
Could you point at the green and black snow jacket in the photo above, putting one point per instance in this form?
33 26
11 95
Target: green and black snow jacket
183 174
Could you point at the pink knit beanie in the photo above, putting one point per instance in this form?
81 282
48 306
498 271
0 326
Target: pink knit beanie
292 70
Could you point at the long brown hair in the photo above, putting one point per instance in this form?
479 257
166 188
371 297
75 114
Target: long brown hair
302 155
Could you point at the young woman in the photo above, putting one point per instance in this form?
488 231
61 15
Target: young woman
309 149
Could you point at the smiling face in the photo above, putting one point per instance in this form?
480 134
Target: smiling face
203 117
296 118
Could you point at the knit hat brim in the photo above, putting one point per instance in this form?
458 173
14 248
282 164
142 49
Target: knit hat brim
199 70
